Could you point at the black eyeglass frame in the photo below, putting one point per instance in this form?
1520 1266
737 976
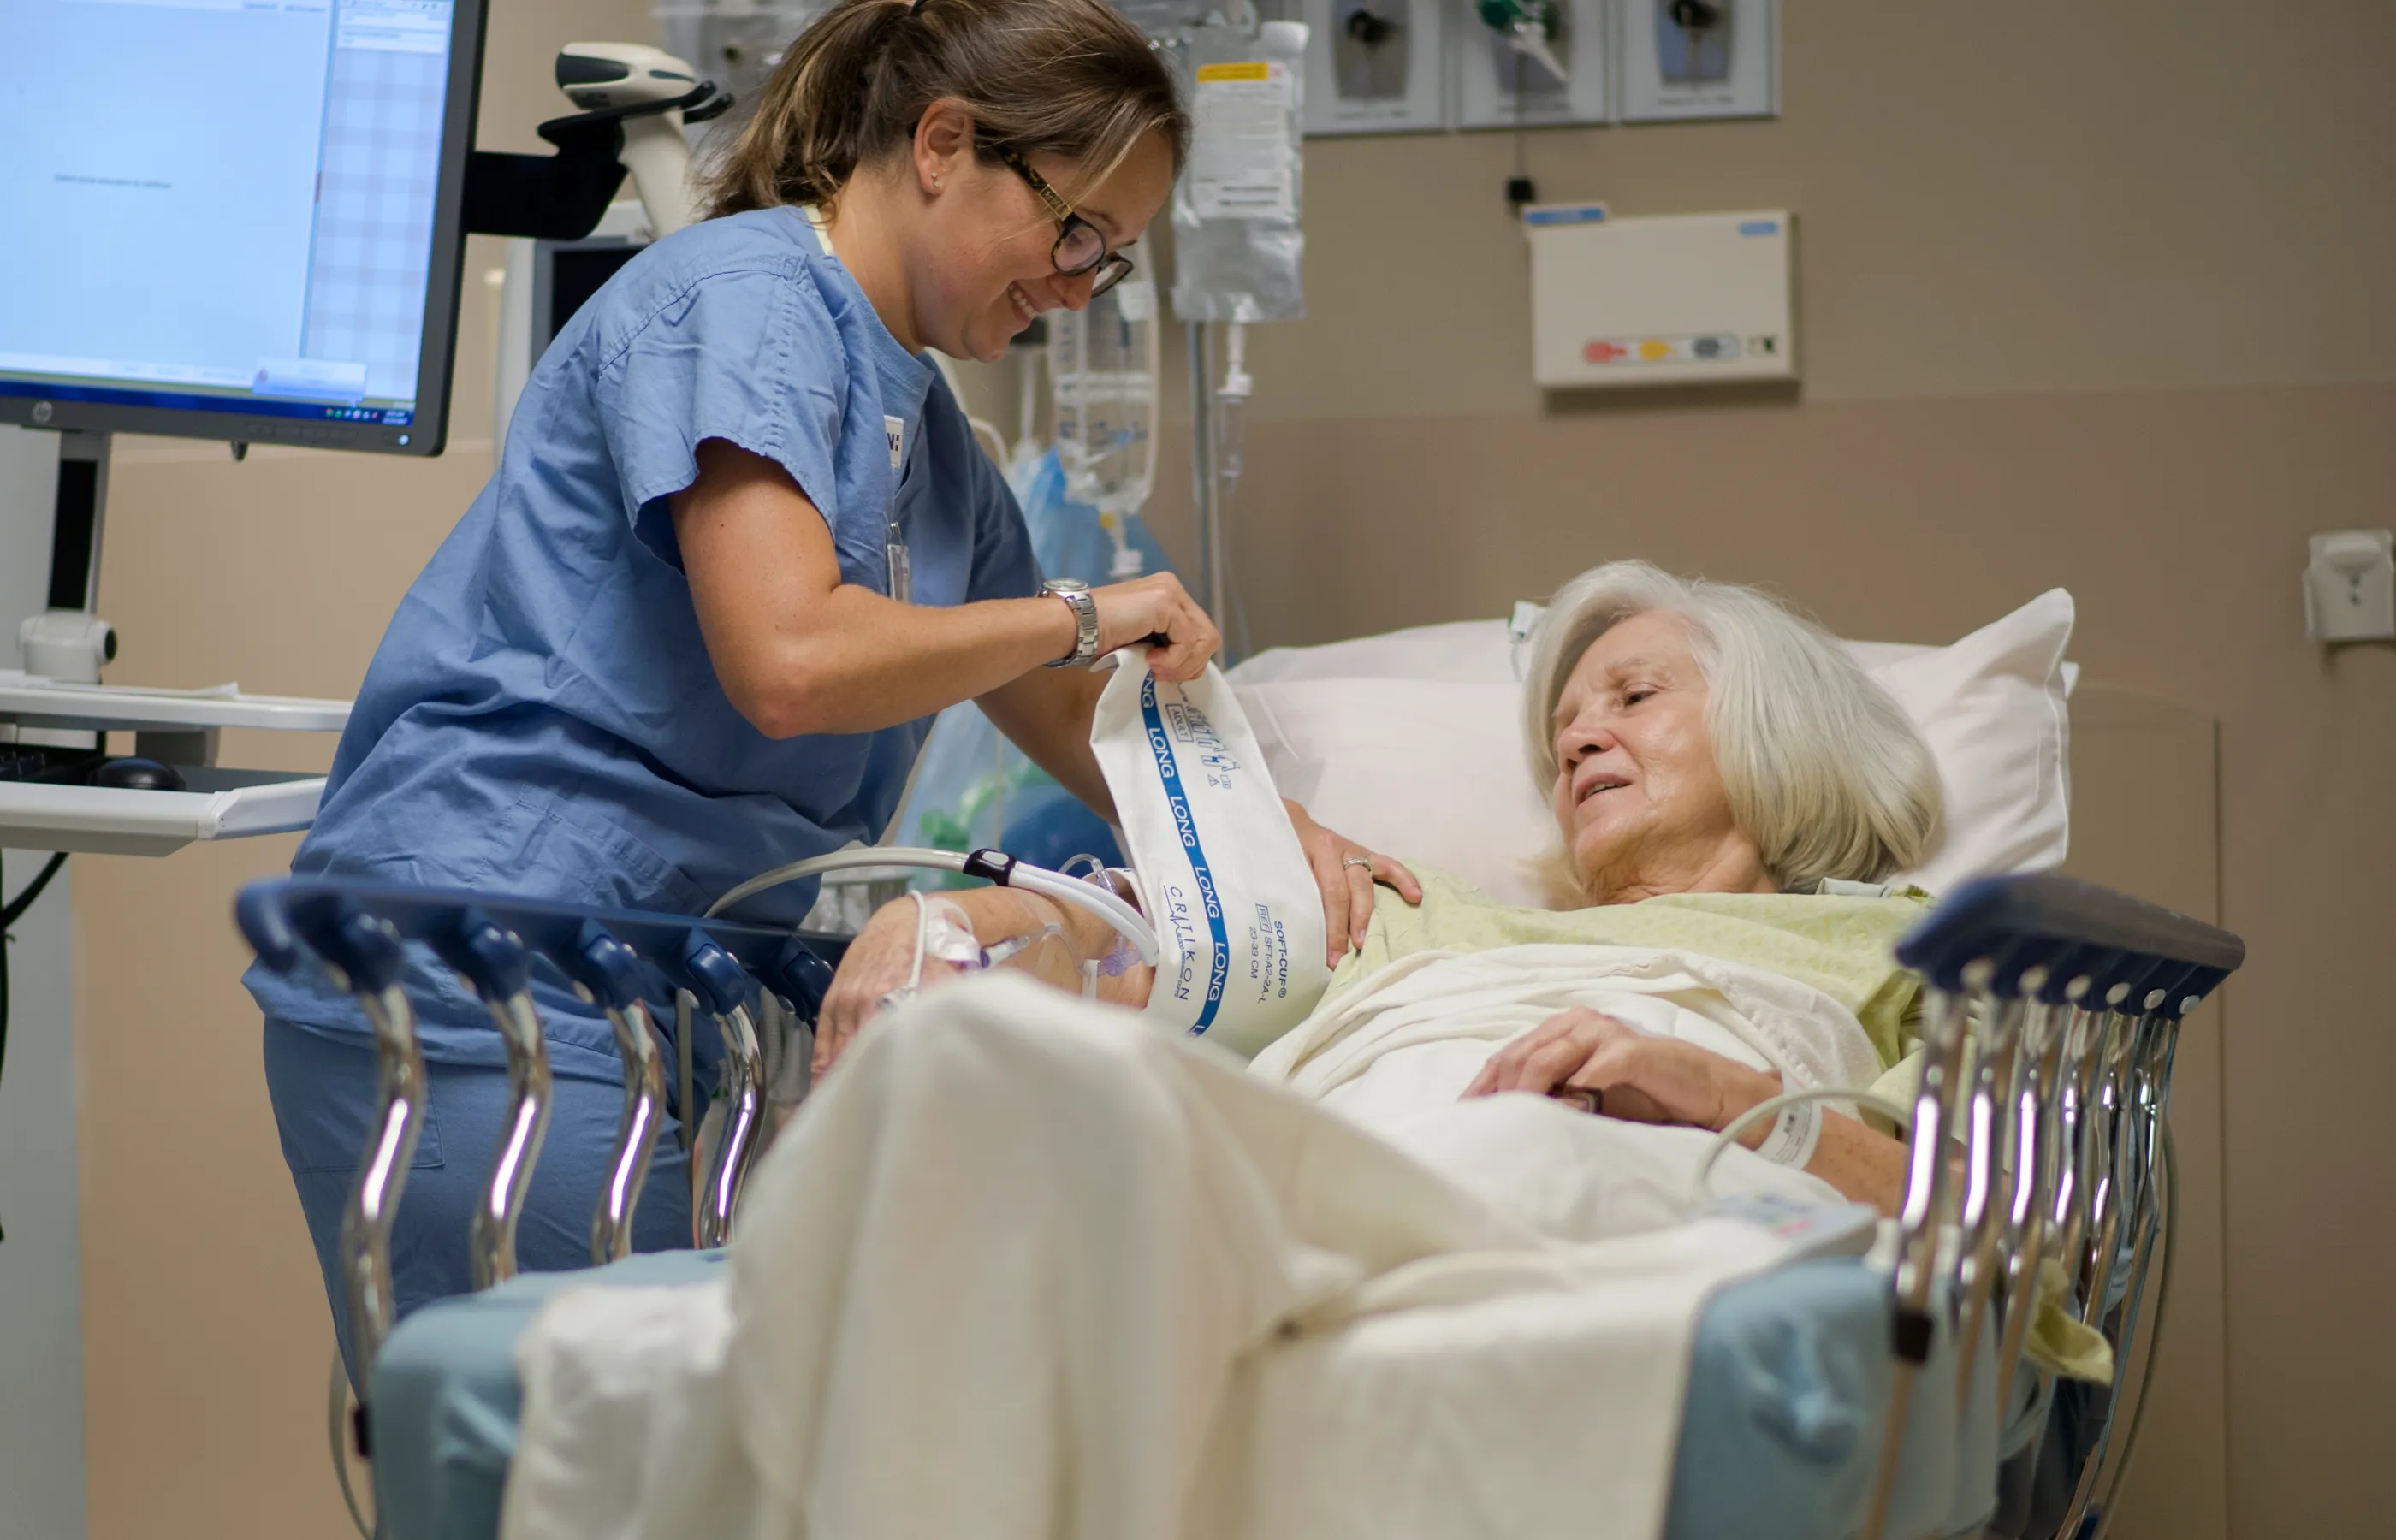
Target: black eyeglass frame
1108 268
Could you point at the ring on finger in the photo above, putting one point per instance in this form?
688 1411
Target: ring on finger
1365 861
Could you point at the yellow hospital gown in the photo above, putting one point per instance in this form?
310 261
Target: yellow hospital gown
1842 946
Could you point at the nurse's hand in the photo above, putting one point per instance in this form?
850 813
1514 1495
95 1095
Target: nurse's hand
880 961
1346 872
1157 605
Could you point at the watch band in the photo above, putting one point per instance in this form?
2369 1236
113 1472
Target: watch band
1086 622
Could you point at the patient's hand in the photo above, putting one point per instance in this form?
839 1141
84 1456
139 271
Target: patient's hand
1634 1076
1585 1055
1345 872
880 959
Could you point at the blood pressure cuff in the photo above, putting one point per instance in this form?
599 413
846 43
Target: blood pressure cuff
1221 875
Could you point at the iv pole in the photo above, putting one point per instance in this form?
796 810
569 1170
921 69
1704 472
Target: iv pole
1214 577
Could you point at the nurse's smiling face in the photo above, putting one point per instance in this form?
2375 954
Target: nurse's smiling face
981 268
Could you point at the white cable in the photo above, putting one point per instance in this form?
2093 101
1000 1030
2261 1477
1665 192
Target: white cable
1099 901
337 1401
992 441
1027 403
1699 1194
923 924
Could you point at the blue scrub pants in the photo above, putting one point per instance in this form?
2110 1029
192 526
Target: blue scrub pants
323 1088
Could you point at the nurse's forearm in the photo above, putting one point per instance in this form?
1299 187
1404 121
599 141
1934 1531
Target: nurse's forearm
796 649
1047 714
870 663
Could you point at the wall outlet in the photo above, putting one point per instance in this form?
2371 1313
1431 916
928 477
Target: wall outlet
2351 587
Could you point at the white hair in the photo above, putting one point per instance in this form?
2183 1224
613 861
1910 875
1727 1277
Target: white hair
1821 767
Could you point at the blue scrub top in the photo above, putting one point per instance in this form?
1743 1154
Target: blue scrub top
542 717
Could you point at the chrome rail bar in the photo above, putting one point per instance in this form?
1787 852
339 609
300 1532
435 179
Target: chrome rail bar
2035 1171
382 1175
491 1244
636 1132
1996 1090
2076 1100
1944 1038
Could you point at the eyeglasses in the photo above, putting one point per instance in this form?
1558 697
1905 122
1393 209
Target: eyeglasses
1080 248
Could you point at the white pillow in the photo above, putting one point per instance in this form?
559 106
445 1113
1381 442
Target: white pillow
1429 770
1461 651
1411 743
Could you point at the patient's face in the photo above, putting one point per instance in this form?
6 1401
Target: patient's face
1638 797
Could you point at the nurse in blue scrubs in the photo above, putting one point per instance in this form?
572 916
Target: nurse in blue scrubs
741 547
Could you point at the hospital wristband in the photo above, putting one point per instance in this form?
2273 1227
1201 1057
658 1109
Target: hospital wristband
1794 1136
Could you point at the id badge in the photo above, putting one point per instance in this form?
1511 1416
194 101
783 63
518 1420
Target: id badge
902 572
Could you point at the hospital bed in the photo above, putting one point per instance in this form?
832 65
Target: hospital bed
1887 1396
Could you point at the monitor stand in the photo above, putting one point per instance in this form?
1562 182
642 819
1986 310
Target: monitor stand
66 641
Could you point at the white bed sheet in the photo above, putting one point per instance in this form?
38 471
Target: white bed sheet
1028 1267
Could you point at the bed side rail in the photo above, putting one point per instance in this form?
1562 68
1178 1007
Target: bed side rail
630 963
2051 1014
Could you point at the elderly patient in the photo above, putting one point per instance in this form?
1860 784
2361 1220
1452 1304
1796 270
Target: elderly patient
1725 780
1122 1287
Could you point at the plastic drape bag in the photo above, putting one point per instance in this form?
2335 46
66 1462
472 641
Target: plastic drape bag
975 789
1103 365
1236 243
1221 875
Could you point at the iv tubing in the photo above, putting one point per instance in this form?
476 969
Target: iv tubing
1040 880
1212 577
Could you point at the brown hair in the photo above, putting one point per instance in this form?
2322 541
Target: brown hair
1063 77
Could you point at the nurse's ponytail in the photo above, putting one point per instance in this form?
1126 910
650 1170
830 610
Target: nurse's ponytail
1069 78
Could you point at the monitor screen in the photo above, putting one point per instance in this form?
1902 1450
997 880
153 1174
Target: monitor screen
234 218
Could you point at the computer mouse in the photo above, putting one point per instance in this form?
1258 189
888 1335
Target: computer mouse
136 774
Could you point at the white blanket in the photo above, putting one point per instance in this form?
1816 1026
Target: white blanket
1028 1267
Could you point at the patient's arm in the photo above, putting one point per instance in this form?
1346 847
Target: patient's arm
1658 1079
883 957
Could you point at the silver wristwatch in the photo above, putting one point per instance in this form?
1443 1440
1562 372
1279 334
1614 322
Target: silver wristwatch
1085 620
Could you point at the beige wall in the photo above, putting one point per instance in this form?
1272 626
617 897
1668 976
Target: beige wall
2091 294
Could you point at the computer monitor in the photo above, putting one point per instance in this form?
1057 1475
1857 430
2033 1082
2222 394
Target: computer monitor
236 218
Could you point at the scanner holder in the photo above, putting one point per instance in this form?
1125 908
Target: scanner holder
562 198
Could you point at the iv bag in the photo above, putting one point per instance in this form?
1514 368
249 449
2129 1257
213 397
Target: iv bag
1103 369
1236 241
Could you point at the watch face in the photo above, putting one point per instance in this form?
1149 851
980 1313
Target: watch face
1067 585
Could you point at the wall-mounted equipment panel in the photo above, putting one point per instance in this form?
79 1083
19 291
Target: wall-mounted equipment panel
1530 63
1376 66
1677 300
1700 58
1399 66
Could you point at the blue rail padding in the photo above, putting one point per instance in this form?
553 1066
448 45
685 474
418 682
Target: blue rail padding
618 955
804 976
607 968
493 959
258 911
2074 930
722 985
365 947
